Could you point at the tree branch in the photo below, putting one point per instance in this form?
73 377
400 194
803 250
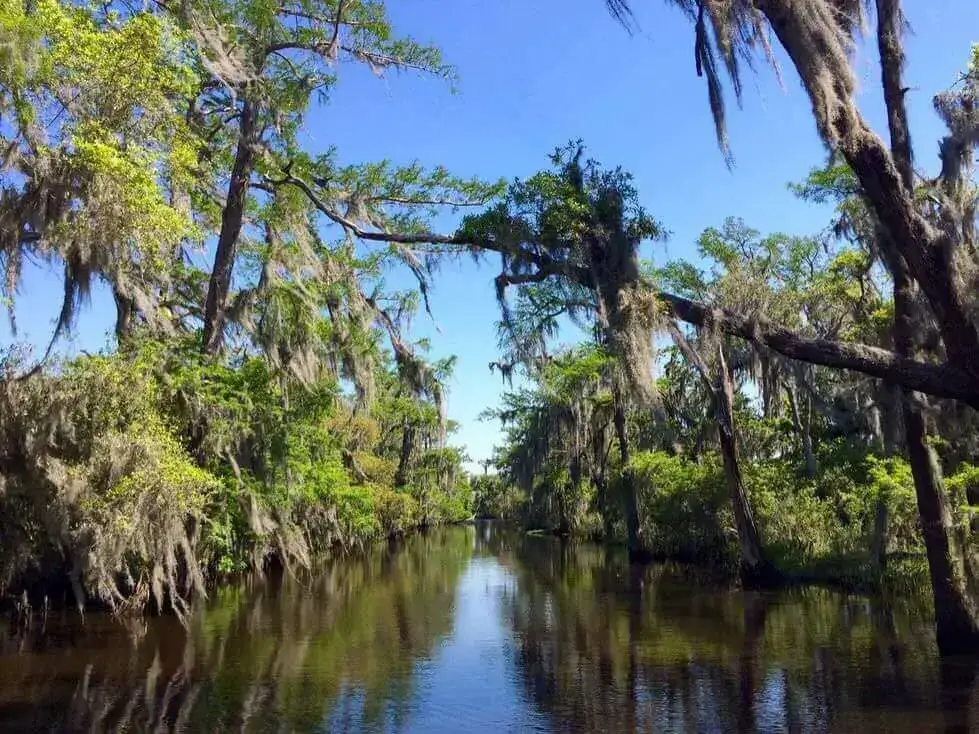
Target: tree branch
889 22
542 262
326 50
944 381
335 40
427 202
421 238
927 250
383 60
316 18
691 355
940 380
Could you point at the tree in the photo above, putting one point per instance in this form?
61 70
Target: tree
580 227
572 238
927 247
756 569
261 64
131 137
94 152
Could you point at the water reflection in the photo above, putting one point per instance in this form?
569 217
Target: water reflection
603 647
342 647
474 629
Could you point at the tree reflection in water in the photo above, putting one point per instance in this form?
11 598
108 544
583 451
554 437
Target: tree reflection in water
606 647
279 655
581 642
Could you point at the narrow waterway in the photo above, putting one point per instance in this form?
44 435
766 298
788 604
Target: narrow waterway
471 629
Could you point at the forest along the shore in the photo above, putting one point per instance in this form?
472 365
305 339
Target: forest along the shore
794 408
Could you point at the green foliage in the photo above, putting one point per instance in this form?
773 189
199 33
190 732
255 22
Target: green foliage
807 523
96 128
682 505
152 469
495 498
397 512
963 489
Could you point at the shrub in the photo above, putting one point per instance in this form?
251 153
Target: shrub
139 504
682 506
396 511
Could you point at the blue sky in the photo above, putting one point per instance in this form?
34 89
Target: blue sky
534 74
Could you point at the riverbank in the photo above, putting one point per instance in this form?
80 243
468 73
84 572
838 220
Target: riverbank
852 525
136 479
34 600
903 573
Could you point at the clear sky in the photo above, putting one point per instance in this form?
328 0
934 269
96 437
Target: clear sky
534 74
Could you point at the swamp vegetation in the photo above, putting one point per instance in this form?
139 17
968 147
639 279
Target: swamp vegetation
786 406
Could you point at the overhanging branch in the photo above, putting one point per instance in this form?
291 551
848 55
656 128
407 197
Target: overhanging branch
545 264
934 379
939 380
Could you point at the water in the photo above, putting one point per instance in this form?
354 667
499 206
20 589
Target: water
474 629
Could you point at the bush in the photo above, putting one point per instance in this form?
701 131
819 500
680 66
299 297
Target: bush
807 524
795 520
397 512
683 506
140 506
963 486
832 515
497 499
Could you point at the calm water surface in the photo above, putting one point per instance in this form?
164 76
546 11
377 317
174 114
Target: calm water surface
474 629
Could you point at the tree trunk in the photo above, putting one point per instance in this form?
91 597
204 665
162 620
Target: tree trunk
404 459
769 388
804 430
568 505
951 567
808 442
950 564
125 315
891 399
878 544
755 567
232 218
824 67
634 542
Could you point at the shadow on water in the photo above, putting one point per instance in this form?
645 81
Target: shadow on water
478 629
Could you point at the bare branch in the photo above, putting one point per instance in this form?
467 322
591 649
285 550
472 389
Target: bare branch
316 18
427 202
335 41
690 354
553 267
383 60
327 51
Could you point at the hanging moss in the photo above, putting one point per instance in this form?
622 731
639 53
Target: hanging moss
139 477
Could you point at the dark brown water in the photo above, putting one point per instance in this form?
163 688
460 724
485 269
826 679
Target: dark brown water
473 629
